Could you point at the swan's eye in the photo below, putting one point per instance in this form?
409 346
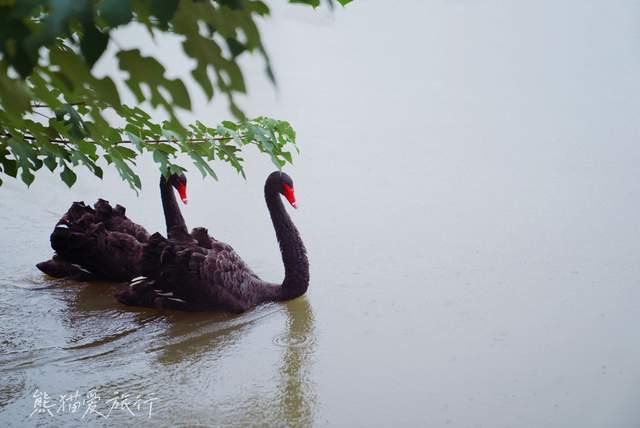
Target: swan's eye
288 193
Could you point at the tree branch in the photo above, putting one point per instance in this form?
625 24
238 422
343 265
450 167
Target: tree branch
158 141
41 105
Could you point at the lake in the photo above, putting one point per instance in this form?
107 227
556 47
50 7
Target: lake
469 196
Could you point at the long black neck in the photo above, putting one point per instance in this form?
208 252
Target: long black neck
172 215
294 254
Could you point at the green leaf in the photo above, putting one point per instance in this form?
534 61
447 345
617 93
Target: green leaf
176 169
14 95
202 165
115 12
50 162
166 148
148 71
126 172
201 76
68 176
125 152
161 158
107 91
164 10
229 125
10 167
314 3
94 42
43 91
27 157
15 32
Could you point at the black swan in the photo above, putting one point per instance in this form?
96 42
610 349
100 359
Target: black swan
102 242
196 272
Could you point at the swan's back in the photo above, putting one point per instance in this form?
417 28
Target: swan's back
189 276
115 220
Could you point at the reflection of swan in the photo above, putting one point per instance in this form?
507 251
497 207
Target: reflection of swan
298 396
203 336
209 345
94 327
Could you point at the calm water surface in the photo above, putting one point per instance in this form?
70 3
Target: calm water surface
469 193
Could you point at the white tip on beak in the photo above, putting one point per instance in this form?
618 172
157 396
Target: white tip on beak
295 205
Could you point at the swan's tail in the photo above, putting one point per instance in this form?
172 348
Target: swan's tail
59 268
101 240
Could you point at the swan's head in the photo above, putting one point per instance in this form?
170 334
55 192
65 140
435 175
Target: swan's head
284 185
179 182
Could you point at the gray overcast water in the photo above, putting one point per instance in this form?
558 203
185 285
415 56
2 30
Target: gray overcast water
469 190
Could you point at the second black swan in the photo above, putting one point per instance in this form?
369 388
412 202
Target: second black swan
103 243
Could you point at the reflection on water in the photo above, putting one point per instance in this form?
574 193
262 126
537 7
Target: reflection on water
298 342
178 358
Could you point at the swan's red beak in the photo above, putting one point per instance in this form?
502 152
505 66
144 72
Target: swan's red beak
291 197
182 191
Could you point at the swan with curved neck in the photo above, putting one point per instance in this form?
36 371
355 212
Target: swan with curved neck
185 275
172 215
294 253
